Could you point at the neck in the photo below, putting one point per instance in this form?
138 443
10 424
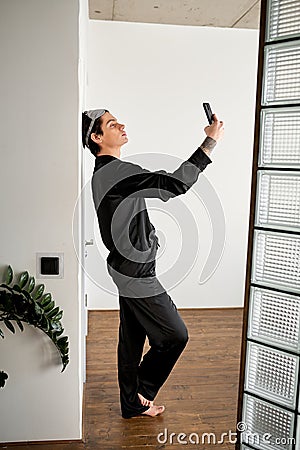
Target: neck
110 151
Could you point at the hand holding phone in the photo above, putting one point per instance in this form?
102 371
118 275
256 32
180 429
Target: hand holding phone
215 129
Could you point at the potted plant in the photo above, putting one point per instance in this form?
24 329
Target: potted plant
24 302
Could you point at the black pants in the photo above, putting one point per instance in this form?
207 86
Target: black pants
156 317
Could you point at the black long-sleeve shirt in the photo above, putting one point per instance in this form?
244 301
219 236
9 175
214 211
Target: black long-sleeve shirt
119 190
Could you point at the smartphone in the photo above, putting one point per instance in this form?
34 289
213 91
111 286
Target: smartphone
208 112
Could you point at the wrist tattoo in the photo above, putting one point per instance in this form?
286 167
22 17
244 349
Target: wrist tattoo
208 144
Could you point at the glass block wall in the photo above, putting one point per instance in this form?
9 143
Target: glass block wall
269 403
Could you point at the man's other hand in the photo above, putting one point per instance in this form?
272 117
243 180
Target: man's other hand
216 129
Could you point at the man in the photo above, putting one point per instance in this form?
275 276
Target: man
119 191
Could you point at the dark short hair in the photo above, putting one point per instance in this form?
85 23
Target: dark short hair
97 129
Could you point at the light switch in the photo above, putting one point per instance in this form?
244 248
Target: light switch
49 265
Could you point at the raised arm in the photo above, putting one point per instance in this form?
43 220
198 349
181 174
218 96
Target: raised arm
131 179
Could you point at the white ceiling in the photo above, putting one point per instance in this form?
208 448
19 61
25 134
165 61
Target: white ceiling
212 13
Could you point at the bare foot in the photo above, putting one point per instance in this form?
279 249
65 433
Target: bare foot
144 401
154 410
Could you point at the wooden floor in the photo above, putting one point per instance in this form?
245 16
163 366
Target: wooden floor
200 395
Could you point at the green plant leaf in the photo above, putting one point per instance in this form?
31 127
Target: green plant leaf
49 307
24 302
3 378
38 310
27 295
9 325
38 292
58 316
53 312
45 323
17 288
23 279
62 342
20 325
31 284
58 333
8 275
45 300
65 361
55 326
6 302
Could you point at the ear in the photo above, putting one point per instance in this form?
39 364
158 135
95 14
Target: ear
96 138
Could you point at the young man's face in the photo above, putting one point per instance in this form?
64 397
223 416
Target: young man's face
113 132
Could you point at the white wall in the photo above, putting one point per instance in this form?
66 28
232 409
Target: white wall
154 78
39 184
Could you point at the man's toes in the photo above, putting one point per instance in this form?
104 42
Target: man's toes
144 401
